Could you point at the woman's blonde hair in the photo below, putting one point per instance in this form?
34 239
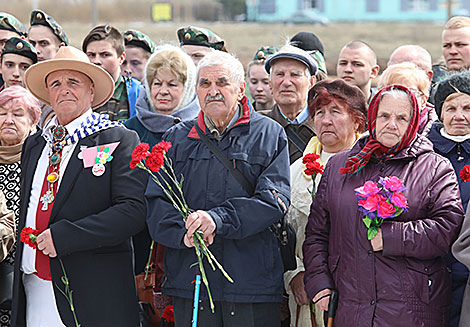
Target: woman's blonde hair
167 60
405 73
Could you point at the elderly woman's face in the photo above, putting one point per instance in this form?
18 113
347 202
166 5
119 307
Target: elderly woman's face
335 128
166 91
15 124
456 115
393 118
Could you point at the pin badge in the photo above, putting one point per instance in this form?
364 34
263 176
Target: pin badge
98 170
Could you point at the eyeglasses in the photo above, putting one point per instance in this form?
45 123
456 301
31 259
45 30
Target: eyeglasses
417 93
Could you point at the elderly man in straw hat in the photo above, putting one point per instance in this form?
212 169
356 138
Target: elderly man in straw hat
78 191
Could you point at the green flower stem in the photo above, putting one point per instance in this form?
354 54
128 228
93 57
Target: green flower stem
147 266
67 292
203 273
210 255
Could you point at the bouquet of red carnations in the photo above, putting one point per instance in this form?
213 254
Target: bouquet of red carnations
380 201
312 168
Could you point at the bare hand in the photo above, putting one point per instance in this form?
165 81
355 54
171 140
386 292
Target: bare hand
298 289
323 303
199 221
377 241
46 244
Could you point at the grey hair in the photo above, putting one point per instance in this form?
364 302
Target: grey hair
397 93
216 58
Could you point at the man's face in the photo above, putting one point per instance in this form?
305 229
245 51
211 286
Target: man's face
70 94
356 67
134 64
289 82
196 52
258 81
13 68
44 41
456 48
4 36
218 94
102 53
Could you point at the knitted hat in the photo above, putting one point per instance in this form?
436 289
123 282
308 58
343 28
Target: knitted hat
351 94
264 52
189 89
139 39
18 46
39 17
456 83
192 35
307 41
11 23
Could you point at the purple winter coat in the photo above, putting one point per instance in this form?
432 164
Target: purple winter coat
406 284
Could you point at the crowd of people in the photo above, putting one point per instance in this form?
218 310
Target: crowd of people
380 228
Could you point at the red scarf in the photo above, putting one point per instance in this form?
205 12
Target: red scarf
356 163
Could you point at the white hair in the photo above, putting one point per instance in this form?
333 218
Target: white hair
220 58
397 93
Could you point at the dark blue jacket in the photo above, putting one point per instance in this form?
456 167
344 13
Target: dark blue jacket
243 244
459 156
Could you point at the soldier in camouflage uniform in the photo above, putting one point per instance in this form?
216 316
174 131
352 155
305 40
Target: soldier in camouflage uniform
10 26
46 35
17 55
197 42
104 46
139 47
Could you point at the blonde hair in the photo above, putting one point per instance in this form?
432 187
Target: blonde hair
457 22
167 60
404 74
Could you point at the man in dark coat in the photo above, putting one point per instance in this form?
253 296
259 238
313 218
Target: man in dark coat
235 221
78 191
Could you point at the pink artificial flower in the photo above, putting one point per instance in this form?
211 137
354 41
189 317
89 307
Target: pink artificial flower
385 209
393 183
371 203
369 188
399 199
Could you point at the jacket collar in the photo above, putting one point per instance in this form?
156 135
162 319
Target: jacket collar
243 120
443 144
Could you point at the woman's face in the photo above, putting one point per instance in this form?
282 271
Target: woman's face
15 124
334 126
393 118
456 115
420 96
166 91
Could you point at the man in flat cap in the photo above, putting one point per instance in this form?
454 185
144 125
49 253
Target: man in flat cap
104 46
79 193
139 47
198 41
17 56
291 74
46 35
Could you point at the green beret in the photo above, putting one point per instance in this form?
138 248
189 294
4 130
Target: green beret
11 23
192 35
264 52
39 17
20 47
317 55
139 39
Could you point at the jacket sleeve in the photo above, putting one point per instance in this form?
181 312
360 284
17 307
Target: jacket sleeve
123 218
461 247
430 237
316 245
7 228
241 217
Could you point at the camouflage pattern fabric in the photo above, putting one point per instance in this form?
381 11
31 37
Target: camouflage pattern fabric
117 108
139 39
20 47
264 52
11 23
39 17
192 35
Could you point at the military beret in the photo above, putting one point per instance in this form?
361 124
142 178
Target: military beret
39 17
455 83
192 35
18 46
11 23
264 52
139 39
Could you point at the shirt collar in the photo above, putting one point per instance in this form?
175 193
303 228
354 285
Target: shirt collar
302 117
70 127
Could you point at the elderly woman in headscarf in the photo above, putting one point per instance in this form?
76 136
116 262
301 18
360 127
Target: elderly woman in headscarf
339 112
397 277
19 114
451 139
417 81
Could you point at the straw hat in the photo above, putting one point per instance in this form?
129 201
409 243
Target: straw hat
69 58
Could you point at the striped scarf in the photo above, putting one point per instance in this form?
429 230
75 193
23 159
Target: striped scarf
356 163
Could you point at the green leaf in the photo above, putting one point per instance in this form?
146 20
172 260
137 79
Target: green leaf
109 158
106 149
367 221
372 232
97 160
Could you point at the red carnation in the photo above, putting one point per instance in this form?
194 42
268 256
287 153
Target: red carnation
140 152
162 147
465 173
310 157
168 314
28 236
313 168
155 161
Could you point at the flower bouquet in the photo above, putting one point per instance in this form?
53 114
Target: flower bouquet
160 168
380 201
312 168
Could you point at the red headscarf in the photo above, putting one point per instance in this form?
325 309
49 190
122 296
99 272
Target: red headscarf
356 163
